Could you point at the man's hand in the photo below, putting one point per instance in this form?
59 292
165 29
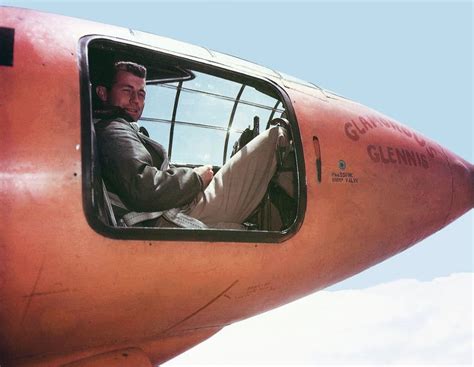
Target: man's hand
206 174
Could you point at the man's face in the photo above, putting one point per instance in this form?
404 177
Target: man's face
128 92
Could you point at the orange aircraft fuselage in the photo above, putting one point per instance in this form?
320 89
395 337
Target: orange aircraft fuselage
69 293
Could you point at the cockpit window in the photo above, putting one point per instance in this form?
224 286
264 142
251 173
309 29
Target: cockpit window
207 111
197 113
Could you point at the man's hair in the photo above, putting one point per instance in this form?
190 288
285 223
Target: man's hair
129 66
106 76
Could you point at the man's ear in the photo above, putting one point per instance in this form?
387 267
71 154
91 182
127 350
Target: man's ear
101 93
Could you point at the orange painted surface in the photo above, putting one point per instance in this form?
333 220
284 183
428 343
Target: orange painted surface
67 292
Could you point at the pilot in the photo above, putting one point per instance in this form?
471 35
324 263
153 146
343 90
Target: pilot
146 191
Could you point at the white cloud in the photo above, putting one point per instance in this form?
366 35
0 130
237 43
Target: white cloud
406 322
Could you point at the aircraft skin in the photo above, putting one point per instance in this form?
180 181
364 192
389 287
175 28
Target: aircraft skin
72 296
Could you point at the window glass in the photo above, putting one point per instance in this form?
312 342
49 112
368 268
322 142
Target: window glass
197 145
280 109
160 101
204 100
244 116
211 84
207 100
204 109
158 130
281 113
254 96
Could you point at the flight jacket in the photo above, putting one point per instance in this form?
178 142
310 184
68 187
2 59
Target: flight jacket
136 168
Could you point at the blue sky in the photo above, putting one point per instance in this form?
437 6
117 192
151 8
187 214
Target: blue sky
409 60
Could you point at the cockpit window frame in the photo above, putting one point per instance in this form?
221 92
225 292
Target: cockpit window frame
91 182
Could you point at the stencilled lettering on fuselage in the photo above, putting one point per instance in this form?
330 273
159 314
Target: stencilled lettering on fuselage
344 177
356 128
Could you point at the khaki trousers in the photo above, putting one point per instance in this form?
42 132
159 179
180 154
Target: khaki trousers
239 186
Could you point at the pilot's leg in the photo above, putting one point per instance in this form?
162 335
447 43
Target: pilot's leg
239 186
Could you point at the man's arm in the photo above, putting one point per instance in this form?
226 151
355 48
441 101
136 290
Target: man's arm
128 170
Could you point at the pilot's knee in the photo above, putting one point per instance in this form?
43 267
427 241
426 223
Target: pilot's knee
280 138
283 137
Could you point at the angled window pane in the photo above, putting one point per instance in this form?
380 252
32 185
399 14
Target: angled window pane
252 95
211 84
205 109
279 111
160 101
